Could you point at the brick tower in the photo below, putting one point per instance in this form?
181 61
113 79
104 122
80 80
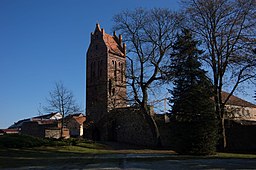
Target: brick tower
105 74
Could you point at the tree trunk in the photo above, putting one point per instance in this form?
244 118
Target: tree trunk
224 144
61 130
151 121
223 131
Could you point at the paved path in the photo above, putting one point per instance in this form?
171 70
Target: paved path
146 161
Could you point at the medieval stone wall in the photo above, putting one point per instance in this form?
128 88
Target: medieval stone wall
126 125
241 136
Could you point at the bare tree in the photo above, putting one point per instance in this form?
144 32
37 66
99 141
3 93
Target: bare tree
61 100
149 35
227 31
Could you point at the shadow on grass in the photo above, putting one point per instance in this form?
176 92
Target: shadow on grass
44 156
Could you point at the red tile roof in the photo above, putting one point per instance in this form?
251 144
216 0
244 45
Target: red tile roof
233 100
80 119
112 44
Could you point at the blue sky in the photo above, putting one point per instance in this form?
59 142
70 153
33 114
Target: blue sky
45 41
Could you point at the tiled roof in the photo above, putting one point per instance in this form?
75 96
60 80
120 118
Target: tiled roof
47 116
233 100
112 44
37 118
18 124
80 119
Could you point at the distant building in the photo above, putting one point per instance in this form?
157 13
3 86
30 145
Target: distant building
51 116
239 109
9 131
240 124
48 126
75 124
44 128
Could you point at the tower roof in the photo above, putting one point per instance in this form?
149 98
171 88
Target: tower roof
113 43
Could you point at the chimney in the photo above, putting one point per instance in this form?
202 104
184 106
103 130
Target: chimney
102 30
114 33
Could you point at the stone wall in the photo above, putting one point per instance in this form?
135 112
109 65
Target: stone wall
126 125
56 133
241 136
52 130
164 130
32 128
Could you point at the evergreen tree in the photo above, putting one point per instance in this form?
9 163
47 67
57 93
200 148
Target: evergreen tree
192 107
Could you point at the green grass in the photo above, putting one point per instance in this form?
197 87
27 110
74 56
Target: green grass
235 156
53 153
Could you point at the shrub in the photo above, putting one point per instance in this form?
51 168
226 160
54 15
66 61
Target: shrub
20 141
196 138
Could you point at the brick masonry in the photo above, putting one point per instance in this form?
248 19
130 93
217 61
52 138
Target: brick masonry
105 74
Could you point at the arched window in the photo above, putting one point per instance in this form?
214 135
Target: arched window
122 72
115 72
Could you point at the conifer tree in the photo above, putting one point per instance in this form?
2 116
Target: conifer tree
192 106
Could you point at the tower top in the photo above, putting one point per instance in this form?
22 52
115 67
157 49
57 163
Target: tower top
113 43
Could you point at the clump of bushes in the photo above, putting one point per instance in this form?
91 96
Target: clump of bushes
20 141
195 138
23 141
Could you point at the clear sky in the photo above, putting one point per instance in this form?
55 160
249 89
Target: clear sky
45 41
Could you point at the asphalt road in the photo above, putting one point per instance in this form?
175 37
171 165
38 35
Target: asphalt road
143 163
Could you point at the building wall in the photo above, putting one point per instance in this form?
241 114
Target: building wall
75 129
126 125
56 133
116 82
240 113
96 81
33 129
105 86
241 136
52 130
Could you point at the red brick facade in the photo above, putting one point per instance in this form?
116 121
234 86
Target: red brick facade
105 74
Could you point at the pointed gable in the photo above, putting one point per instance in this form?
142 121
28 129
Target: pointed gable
113 43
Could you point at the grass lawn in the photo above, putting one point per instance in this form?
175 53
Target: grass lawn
235 156
18 151
82 154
